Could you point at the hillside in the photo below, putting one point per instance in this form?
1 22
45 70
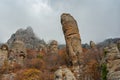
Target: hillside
26 57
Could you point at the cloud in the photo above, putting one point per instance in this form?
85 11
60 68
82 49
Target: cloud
97 19
41 7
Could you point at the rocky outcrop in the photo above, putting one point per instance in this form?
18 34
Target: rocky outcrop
73 40
18 46
92 44
28 37
10 76
53 47
114 76
113 62
3 54
106 42
18 51
63 73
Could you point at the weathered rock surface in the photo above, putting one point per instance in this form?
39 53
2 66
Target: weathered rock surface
18 46
64 74
72 36
114 76
73 40
19 51
3 54
113 62
92 44
10 76
53 47
28 37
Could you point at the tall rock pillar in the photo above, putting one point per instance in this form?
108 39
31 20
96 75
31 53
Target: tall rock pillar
73 40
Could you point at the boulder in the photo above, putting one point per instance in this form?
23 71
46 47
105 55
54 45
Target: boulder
64 73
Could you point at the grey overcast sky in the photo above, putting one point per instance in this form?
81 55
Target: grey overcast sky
97 19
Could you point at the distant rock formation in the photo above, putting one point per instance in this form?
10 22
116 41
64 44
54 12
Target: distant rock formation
108 41
92 44
18 46
53 47
3 54
86 46
28 37
19 50
73 40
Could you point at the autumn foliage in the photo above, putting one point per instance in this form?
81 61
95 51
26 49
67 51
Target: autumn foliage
39 65
29 74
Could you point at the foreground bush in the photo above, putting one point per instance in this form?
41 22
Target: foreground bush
29 74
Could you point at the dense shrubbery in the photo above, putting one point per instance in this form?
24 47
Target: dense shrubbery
35 63
39 66
29 74
104 71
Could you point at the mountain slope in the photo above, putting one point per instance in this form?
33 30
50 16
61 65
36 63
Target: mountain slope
28 37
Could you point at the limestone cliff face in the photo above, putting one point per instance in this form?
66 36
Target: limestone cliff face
28 37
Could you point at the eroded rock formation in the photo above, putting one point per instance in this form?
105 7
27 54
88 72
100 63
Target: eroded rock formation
113 62
92 44
73 40
63 73
53 47
28 37
18 50
3 54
